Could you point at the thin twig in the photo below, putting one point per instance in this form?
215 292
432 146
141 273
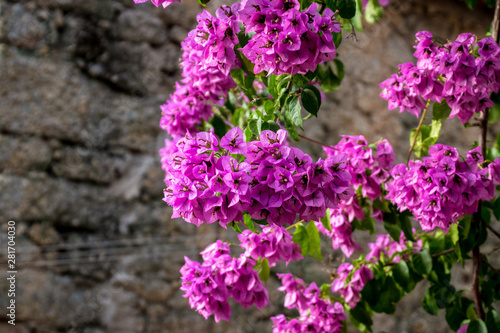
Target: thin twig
476 260
417 131
490 266
476 254
294 225
496 233
323 7
312 140
443 253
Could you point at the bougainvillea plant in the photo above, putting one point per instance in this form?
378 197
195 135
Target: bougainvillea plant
250 72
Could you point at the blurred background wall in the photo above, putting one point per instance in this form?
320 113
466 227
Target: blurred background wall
81 82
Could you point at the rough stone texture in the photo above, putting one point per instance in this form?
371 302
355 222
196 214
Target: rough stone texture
81 82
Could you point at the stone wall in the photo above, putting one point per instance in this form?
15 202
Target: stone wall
80 86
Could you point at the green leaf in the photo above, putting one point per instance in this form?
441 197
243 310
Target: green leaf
477 326
238 76
337 38
255 126
219 126
235 227
493 321
405 222
429 303
264 270
310 101
361 317
465 225
453 233
494 114
373 11
357 21
435 129
301 237
292 130
203 2
248 66
401 274
455 315
422 261
382 205
421 148
339 67
346 8
316 92
271 87
238 117
496 209
230 102
486 214
314 241
445 295
292 112
332 4
261 222
326 220
328 80
370 293
249 223
249 79
441 111
471 3
471 312
368 223
248 134
304 4
273 126
437 242
390 296
393 229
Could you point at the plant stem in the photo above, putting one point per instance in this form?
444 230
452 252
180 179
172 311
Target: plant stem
496 233
294 225
323 7
443 253
476 254
476 260
416 133
490 266
312 140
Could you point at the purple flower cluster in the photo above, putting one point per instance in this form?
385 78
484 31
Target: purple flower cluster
208 56
494 171
275 182
164 3
341 230
463 72
168 149
287 40
315 314
209 285
368 171
273 243
389 248
440 189
350 288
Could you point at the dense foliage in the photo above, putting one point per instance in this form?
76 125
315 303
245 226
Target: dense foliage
248 74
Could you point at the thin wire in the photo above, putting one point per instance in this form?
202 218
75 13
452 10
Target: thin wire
108 243
106 258
115 251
